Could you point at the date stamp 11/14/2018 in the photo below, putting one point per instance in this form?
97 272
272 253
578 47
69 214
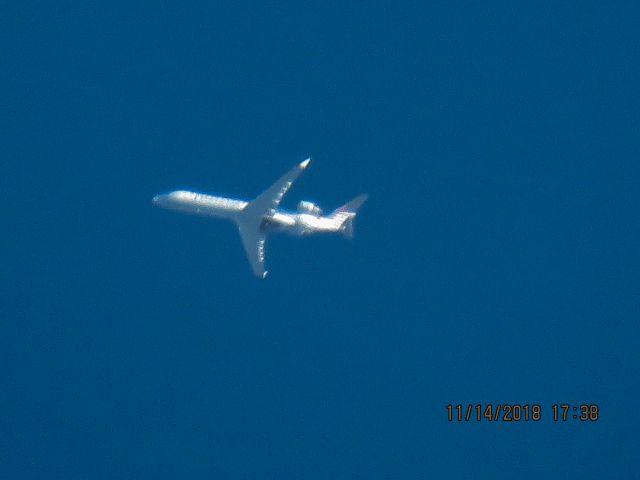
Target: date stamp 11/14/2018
522 412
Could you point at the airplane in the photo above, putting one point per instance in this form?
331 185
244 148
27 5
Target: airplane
261 216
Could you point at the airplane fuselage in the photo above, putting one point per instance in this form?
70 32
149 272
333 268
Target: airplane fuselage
201 204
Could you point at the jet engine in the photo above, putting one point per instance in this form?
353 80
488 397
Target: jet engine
310 208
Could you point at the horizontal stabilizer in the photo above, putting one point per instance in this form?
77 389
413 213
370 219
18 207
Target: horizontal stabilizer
353 205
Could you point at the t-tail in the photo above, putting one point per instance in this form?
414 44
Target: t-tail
346 214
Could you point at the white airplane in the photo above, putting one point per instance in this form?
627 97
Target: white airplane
261 216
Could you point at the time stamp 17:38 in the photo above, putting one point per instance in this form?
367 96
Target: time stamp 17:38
522 412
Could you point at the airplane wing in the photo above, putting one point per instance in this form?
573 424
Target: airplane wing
267 202
253 242
250 220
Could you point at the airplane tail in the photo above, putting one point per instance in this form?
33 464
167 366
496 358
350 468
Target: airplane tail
347 213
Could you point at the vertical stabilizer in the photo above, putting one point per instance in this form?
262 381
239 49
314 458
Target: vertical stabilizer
346 213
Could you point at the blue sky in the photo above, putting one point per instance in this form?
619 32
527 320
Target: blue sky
495 261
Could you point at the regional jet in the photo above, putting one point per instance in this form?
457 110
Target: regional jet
257 218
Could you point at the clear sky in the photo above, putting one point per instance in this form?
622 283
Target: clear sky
495 262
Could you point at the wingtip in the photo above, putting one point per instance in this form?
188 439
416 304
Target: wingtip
305 163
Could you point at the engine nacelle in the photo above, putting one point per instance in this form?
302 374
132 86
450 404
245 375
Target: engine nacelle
310 208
